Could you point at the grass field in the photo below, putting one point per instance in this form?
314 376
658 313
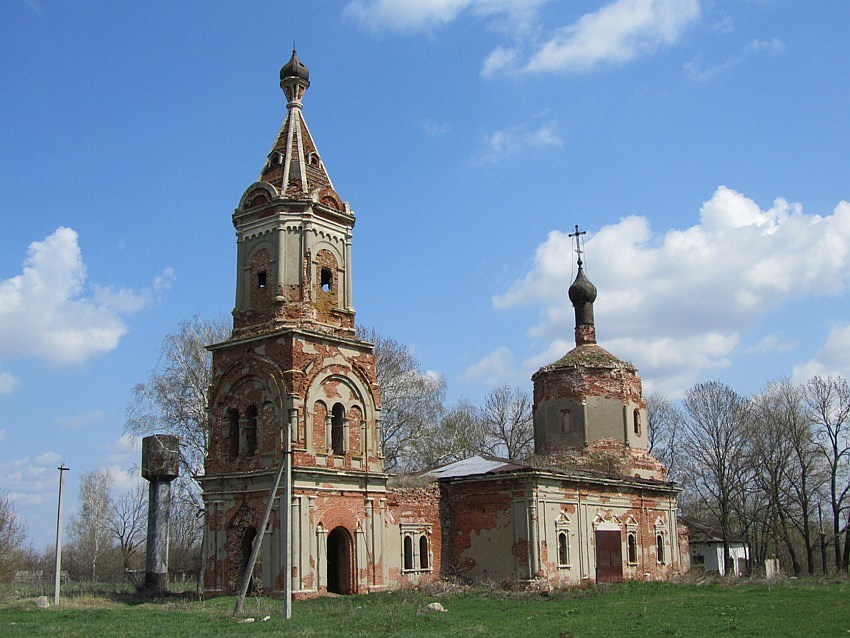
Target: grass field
787 608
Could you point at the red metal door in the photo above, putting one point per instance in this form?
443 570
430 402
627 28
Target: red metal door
609 556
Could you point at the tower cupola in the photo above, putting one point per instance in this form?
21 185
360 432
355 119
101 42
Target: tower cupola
294 80
582 294
588 394
293 233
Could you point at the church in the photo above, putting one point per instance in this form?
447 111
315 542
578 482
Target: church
294 383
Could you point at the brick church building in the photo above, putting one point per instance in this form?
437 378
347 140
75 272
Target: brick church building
593 505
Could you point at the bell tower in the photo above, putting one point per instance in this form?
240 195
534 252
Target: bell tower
293 357
293 234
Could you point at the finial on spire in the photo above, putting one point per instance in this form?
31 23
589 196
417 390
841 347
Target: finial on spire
294 79
579 242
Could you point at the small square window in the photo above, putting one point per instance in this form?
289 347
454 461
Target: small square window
261 279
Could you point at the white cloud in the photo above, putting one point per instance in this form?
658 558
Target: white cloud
773 343
615 34
123 480
677 303
500 58
30 482
48 458
832 359
517 139
125 450
46 312
75 421
497 367
697 71
435 129
409 16
8 383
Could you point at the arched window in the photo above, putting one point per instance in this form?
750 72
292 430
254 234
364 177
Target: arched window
563 549
251 430
636 419
423 552
233 432
338 429
408 553
659 548
631 542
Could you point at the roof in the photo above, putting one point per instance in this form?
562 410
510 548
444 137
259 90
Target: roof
589 355
490 465
474 466
705 534
294 165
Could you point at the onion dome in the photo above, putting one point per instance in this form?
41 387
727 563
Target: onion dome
582 290
295 68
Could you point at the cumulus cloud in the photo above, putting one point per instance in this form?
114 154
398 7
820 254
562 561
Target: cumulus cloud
514 140
7 383
615 34
406 16
48 312
30 481
126 450
497 367
677 303
48 458
833 359
76 421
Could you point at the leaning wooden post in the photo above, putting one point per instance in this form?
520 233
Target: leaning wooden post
258 539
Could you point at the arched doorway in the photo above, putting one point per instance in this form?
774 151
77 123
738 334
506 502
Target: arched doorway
340 562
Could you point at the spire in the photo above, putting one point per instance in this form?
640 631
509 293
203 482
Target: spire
582 294
294 166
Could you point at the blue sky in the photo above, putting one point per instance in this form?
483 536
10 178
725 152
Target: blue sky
704 145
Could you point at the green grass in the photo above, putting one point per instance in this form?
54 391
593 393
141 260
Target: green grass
790 608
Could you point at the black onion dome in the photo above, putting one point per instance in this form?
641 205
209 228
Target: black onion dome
294 69
581 290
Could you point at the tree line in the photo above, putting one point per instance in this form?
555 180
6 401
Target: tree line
104 540
771 470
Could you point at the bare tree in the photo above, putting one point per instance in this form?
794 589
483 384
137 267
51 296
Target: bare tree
459 434
89 530
664 431
186 528
714 438
828 403
411 401
128 522
12 535
174 398
771 460
508 423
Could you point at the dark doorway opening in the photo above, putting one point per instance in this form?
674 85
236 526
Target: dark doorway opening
340 562
609 556
245 545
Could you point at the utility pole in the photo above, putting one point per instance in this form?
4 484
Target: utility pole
58 566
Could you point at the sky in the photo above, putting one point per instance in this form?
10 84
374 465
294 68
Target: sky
702 144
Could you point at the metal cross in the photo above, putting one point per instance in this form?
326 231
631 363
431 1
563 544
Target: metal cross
577 235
